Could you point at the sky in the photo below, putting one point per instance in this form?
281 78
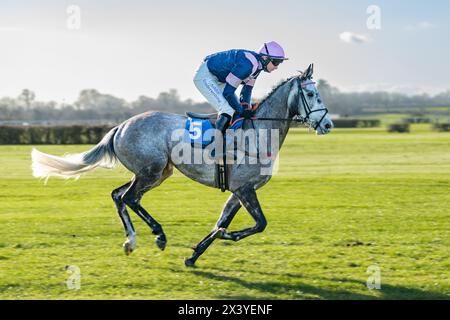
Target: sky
132 48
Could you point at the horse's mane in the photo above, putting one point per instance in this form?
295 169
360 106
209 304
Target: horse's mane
275 88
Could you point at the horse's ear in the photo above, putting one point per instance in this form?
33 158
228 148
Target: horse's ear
308 72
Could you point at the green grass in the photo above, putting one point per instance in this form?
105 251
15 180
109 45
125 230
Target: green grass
339 204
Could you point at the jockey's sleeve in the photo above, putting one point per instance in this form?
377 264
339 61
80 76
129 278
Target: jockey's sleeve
240 71
229 95
246 93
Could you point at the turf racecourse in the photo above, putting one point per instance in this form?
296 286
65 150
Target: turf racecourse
338 205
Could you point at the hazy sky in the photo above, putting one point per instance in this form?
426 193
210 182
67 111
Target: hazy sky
132 48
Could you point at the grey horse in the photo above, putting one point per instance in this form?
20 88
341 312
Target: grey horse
144 144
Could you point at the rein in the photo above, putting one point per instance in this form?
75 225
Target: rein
306 108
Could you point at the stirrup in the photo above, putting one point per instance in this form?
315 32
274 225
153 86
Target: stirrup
222 170
222 181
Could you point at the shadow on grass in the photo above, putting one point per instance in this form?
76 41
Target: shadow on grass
387 291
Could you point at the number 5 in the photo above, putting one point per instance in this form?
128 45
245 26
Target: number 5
196 129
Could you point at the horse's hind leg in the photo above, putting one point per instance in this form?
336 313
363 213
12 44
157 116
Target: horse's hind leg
142 183
230 209
130 244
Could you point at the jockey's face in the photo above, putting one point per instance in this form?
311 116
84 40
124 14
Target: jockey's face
271 67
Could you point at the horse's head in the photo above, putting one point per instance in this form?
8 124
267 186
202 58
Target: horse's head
307 103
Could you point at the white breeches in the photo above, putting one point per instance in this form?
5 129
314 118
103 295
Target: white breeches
212 89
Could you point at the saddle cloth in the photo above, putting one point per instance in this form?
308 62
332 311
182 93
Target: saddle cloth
200 131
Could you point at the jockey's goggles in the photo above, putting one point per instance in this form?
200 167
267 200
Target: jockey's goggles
276 62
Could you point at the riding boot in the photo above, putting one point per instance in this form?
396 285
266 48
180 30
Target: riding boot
221 125
222 122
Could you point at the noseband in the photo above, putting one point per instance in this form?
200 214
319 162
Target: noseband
306 107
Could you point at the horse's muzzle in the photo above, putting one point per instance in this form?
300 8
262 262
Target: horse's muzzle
325 127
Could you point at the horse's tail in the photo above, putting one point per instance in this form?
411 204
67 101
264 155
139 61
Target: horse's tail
72 165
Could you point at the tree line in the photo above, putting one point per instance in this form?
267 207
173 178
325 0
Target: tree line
91 107
95 107
361 103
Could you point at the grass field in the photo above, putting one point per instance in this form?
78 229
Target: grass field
339 204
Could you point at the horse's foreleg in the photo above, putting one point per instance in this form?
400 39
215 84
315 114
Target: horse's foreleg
130 244
230 209
249 200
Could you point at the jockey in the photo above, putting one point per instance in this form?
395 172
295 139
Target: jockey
221 73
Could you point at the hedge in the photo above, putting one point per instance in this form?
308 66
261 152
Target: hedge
356 123
399 127
441 127
52 134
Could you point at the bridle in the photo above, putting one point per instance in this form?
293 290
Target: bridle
306 108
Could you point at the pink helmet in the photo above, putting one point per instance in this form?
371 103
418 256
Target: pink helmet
273 50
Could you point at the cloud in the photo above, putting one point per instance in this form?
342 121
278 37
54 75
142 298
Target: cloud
351 37
423 25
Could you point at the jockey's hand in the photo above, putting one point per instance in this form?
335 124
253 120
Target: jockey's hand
247 114
246 105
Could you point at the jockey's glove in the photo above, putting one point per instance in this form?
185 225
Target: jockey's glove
247 114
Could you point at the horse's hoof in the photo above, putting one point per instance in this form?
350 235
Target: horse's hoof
189 262
161 242
128 247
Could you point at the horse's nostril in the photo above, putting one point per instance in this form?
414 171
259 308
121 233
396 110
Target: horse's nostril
328 126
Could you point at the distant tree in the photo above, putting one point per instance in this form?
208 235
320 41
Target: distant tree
27 98
143 104
103 103
326 90
167 98
87 99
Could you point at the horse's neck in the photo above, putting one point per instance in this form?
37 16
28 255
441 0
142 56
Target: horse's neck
275 106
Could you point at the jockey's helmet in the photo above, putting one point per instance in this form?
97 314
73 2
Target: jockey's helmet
274 52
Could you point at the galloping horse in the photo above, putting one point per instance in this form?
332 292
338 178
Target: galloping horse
143 144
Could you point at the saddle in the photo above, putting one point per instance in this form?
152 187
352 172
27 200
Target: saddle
211 116
197 125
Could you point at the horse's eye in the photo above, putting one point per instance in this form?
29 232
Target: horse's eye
310 94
